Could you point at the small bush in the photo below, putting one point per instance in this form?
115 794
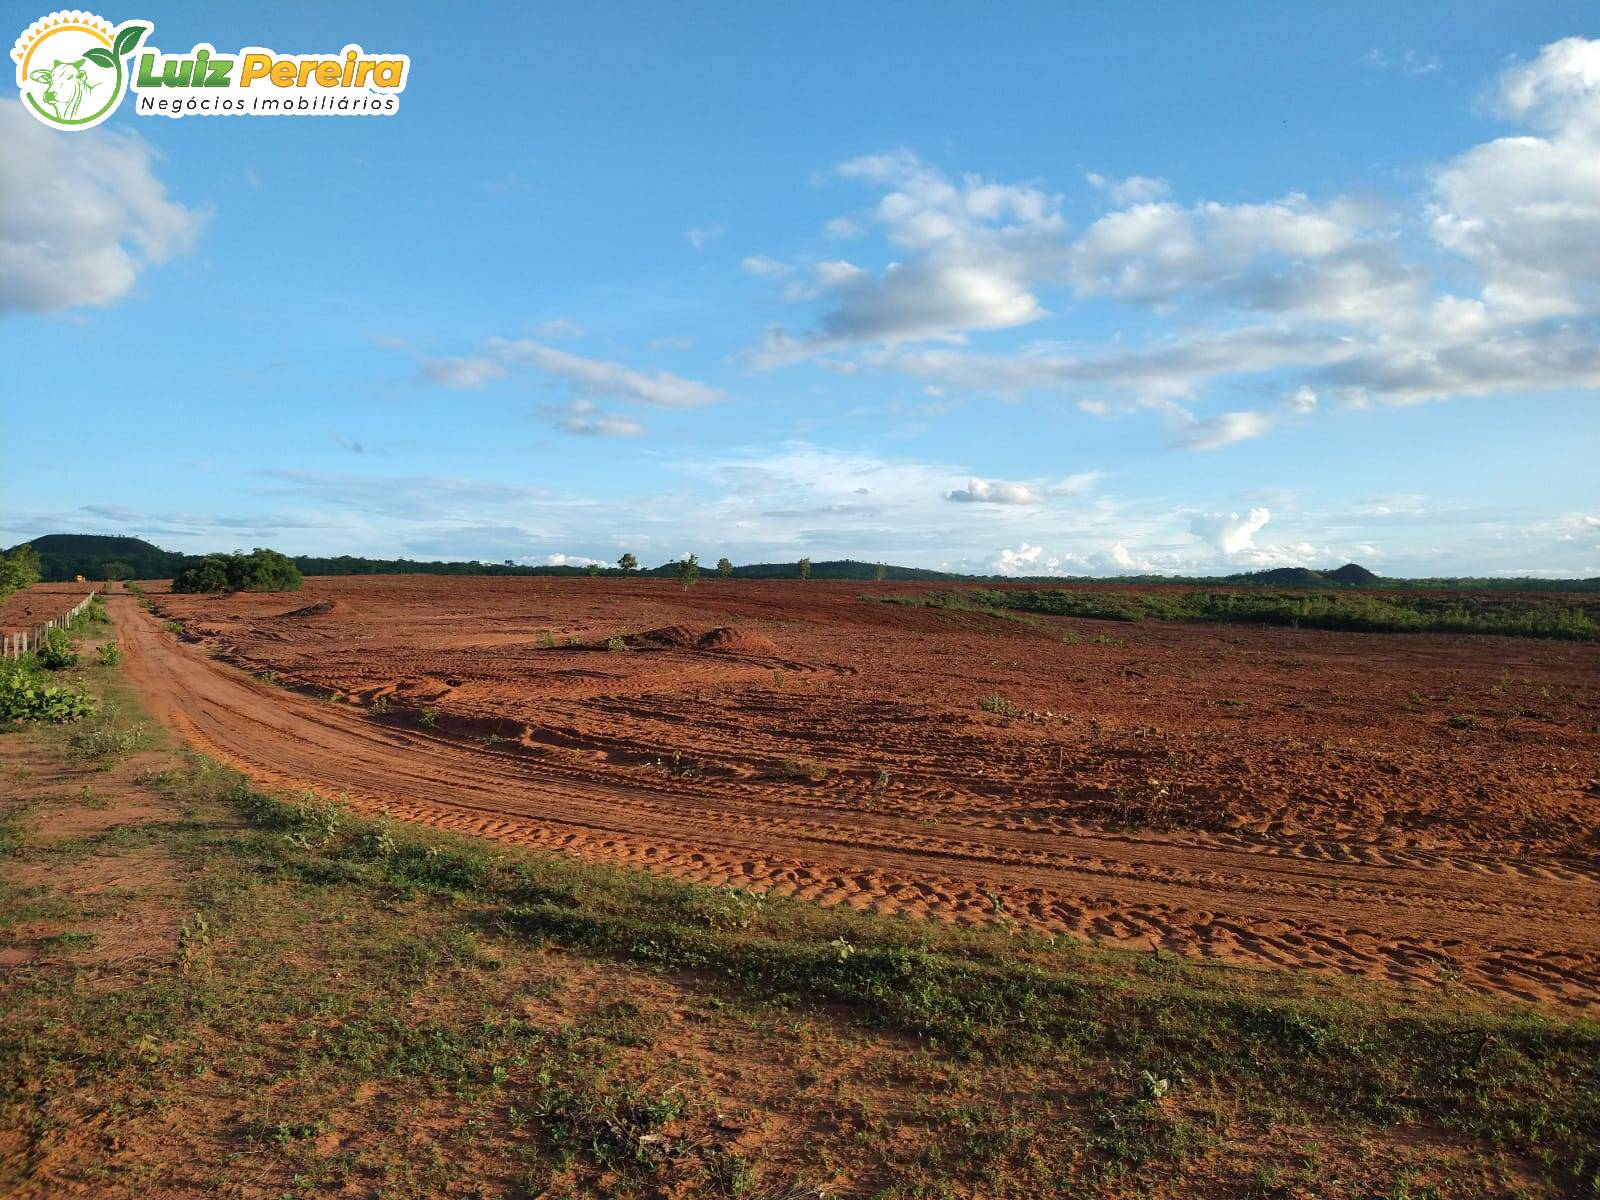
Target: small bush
56 653
109 654
616 642
25 696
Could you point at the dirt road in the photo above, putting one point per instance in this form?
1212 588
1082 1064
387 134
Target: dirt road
1521 926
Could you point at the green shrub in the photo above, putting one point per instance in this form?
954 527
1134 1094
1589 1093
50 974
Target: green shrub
261 570
110 654
689 570
56 653
25 696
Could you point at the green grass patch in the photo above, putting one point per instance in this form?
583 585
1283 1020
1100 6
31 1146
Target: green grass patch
1523 615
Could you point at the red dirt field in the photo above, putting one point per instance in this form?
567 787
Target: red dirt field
30 606
1408 807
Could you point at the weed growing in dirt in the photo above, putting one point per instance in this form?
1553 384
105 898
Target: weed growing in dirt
997 704
109 654
429 717
802 769
616 642
173 626
379 706
106 741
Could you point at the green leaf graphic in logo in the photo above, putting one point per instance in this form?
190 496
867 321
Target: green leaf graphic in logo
127 39
100 56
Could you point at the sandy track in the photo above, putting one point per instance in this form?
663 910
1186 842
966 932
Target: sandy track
1522 925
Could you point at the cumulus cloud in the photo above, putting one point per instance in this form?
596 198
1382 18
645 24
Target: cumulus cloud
1229 533
1021 561
983 491
81 216
1485 283
972 251
1526 209
1135 189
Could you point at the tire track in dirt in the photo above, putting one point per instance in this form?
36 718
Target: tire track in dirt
1524 928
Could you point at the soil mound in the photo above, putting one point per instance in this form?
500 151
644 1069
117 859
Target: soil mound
319 609
668 636
732 640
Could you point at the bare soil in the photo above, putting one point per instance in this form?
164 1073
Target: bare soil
1421 809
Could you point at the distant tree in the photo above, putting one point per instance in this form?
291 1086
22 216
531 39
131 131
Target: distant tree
880 572
259 571
209 574
18 569
804 566
724 568
116 569
628 563
593 568
689 570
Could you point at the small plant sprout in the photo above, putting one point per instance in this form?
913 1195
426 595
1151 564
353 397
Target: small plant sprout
616 642
429 717
1152 1088
380 705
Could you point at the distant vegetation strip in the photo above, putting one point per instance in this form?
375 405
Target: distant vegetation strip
62 556
1516 615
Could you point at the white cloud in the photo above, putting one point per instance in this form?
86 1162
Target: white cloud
1021 561
972 252
764 267
1526 209
594 378
1229 533
1223 430
590 378
558 328
562 560
461 372
703 236
81 215
1302 402
983 491
1135 189
583 417
1406 62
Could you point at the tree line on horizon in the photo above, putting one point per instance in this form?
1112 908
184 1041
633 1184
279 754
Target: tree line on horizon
101 557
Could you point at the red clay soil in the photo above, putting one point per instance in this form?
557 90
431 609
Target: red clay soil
1416 808
30 606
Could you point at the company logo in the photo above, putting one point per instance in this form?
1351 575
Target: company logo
73 69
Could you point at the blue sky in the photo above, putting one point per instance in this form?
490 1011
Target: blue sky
1026 288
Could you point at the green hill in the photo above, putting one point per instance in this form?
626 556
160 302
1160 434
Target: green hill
63 556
